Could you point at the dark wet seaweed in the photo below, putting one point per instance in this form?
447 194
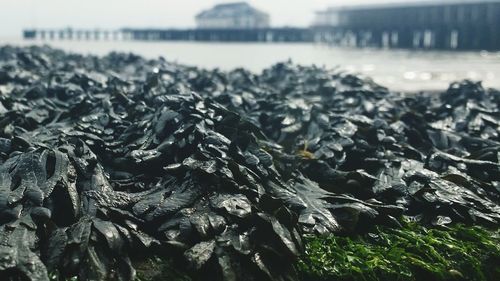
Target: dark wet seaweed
107 159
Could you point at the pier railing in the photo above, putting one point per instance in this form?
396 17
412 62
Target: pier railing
223 35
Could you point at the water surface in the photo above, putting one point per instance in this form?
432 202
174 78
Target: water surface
400 70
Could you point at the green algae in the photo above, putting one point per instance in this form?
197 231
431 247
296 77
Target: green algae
411 253
160 269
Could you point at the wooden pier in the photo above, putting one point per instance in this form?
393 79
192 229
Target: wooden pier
224 35
75 34
221 35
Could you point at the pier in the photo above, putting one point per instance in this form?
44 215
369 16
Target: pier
447 25
450 25
138 34
224 35
75 34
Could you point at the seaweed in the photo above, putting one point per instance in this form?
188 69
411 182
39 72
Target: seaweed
157 269
104 159
410 253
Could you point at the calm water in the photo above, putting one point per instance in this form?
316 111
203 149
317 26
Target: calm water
397 69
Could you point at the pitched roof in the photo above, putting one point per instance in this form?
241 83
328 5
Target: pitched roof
230 10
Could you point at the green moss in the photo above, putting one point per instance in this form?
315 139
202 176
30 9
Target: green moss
158 269
411 253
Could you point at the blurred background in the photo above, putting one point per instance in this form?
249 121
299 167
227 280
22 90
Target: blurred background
404 45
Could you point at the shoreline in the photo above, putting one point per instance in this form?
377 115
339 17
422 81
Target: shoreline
400 70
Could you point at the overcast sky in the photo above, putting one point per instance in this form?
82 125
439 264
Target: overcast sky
18 14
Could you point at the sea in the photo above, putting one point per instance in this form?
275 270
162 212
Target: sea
399 70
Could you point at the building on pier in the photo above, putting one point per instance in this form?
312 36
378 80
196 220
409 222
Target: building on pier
452 24
238 15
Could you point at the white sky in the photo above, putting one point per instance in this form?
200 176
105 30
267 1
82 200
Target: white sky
18 14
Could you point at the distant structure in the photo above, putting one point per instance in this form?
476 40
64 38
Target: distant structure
239 15
451 24
438 24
